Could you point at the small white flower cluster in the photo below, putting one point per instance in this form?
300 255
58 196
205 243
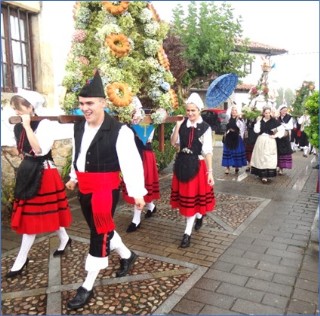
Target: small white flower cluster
106 30
152 28
151 47
145 16
159 116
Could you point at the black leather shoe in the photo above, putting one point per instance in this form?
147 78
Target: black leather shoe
126 264
132 228
150 213
185 242
61 252
82 298
12 274
198 224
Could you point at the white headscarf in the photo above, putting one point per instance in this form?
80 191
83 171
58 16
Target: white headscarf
196 100
34 98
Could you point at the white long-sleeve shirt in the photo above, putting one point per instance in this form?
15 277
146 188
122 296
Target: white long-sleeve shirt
129 159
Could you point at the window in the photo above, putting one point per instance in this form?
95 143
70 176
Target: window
16 59
248 68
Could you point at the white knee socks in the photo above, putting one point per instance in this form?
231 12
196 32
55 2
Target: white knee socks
120 248
63 236
150 206
26 244
136 216
190 221
198 215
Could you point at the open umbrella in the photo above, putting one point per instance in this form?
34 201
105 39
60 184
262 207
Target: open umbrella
220 89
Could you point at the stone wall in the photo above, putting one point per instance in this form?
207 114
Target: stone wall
60 152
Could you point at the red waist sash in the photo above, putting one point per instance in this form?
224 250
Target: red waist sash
100 184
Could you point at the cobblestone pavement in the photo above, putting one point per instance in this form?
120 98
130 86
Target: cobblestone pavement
256 254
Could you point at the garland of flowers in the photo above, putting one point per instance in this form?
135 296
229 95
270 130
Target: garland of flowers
124 41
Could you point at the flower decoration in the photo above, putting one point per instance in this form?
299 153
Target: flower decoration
153 12
250 113
119 44
79 36
116 8
124 41
159 116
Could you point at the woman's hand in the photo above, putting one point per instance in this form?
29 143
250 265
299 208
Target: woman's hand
139 203
179 122
210 179
71 185
26 120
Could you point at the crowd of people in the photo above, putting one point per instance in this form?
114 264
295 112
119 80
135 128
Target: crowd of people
102 172
264 145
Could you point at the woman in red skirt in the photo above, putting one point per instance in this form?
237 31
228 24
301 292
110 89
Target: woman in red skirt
40 204
151 176
192 183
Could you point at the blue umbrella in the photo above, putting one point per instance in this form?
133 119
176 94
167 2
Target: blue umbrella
220 89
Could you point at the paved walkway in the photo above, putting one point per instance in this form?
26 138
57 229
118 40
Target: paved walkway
256 254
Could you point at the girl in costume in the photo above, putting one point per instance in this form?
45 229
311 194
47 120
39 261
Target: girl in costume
283 143
234 153
40 204
192 183
264 156
151 177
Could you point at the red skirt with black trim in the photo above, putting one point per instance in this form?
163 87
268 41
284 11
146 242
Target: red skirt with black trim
195 196
45 212
151 179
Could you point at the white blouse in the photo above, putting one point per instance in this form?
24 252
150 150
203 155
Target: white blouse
205 139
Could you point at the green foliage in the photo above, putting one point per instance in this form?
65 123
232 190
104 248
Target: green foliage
7 196
250 113
163 158
210 33
67 167
312 108
298 106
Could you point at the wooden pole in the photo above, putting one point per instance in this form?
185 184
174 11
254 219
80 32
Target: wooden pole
64 119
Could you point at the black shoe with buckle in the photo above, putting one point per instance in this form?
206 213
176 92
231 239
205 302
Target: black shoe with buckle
198 224
150 213
125 265
82 298
132 228
185 242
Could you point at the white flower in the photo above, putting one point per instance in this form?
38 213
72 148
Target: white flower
145 15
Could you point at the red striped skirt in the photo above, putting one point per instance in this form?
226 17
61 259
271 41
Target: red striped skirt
195 196
151 179
45 212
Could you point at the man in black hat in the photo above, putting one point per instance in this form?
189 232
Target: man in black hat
102 147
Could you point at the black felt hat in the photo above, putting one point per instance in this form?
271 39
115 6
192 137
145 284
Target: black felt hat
93 88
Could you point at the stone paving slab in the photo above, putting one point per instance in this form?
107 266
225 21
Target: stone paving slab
154 284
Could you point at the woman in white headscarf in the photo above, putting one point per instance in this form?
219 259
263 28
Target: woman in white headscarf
192 183
40 204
